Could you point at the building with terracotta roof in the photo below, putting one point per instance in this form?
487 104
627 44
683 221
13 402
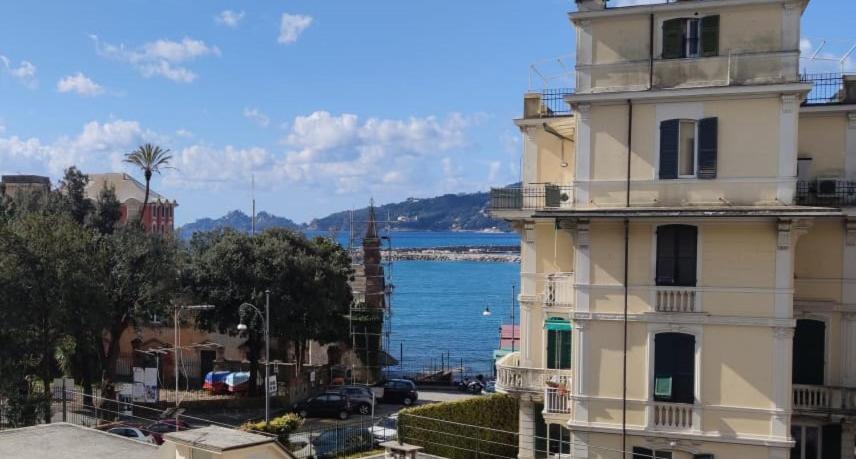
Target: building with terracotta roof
160 215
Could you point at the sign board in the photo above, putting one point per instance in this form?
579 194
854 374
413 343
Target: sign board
272 385
145 387
125 396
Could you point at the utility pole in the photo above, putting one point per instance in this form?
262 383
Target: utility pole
253 229
512 318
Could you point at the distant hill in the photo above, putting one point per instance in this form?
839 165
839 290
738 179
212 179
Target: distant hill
449 212
238 221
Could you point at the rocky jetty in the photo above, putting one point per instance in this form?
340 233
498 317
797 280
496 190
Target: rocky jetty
495 254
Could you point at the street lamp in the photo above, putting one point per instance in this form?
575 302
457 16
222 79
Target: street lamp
177 343
266 321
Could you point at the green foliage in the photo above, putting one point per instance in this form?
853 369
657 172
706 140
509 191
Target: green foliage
107 213
282 426
463 429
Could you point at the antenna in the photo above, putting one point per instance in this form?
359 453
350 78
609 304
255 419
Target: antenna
818 54
253 185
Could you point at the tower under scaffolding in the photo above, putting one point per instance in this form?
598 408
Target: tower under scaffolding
370 312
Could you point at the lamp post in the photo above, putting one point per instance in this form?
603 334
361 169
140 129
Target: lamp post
266 319
177 343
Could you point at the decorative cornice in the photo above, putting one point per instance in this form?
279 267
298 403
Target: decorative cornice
583 238
783 241
583 111
784 333
789 103
850 232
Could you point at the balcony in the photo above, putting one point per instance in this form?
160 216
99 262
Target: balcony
557 401
826 192
830 88
675 417
824 399
511 378
552 290
546 103
534 197
676 299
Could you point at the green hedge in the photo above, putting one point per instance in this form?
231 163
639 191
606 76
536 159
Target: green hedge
282 426
466 429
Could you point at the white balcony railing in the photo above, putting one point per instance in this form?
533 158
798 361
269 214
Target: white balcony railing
559 290
673 416
512 378
824 398
676 299
550 289
557 400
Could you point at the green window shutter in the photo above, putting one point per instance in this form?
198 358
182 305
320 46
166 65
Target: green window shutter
565 350
551 349
663 387
686 245
673 39
708 143
669 149
710 36
666 255
642 453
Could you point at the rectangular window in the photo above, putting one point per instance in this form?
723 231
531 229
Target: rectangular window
559 349
674 368
688 148
645 453
690 37
560 439
677 255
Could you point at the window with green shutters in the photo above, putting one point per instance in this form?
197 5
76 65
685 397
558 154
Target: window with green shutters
691 37
558 343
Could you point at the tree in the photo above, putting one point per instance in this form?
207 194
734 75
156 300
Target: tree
107 211
73 186
308 283
149 159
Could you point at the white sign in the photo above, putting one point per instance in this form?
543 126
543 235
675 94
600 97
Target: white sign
272 385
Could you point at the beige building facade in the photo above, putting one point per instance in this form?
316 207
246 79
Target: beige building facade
688 242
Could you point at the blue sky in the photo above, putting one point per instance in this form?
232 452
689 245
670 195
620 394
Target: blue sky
326 103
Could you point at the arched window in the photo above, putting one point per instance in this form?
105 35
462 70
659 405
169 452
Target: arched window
674 368
676 255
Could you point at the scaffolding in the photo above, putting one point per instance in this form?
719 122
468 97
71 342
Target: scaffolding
370 313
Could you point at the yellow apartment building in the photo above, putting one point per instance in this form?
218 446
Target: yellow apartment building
687 217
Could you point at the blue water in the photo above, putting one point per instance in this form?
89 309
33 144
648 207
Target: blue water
424 239
437 309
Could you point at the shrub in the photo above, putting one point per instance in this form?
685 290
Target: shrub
282 426
463 429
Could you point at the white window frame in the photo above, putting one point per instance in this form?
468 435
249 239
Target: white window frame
545 340
699 240
688 23
819 428
695 148
671 111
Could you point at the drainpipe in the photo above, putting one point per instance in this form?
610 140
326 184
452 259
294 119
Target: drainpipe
626 280
651 53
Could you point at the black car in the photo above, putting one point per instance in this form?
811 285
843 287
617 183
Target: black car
362 398
400 391
327 404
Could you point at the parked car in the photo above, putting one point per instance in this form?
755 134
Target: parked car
362 398
326 404
157 429
386 429
300 445
132 433
338 442
400 391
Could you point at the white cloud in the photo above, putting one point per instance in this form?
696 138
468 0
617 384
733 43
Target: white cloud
80 84
494 169
229 18
291 26
97 147
256 116
160 57
24 72
205 166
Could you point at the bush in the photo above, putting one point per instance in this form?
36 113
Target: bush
282 426
463 429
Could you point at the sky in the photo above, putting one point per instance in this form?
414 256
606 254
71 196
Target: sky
325 104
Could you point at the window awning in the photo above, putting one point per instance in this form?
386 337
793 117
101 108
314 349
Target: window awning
557 324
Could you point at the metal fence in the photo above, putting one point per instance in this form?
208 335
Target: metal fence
328 439
530 197
553 102
827 88
829 192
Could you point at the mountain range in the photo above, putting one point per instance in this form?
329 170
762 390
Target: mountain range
449 212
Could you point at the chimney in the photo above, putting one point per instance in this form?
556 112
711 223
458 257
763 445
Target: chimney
591 5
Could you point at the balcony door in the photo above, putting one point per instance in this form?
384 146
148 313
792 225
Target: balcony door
674 368
809 354
558 343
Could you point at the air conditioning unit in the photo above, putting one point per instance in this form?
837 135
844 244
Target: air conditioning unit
829 187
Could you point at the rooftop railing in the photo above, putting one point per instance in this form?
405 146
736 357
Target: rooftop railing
547 103
830 88
826 192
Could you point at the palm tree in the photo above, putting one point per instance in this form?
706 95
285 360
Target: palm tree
149 158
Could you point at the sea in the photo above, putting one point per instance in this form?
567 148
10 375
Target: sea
438 318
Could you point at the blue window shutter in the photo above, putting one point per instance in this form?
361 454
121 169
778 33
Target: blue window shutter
708 143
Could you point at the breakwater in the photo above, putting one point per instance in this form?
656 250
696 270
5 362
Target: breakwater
495 254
